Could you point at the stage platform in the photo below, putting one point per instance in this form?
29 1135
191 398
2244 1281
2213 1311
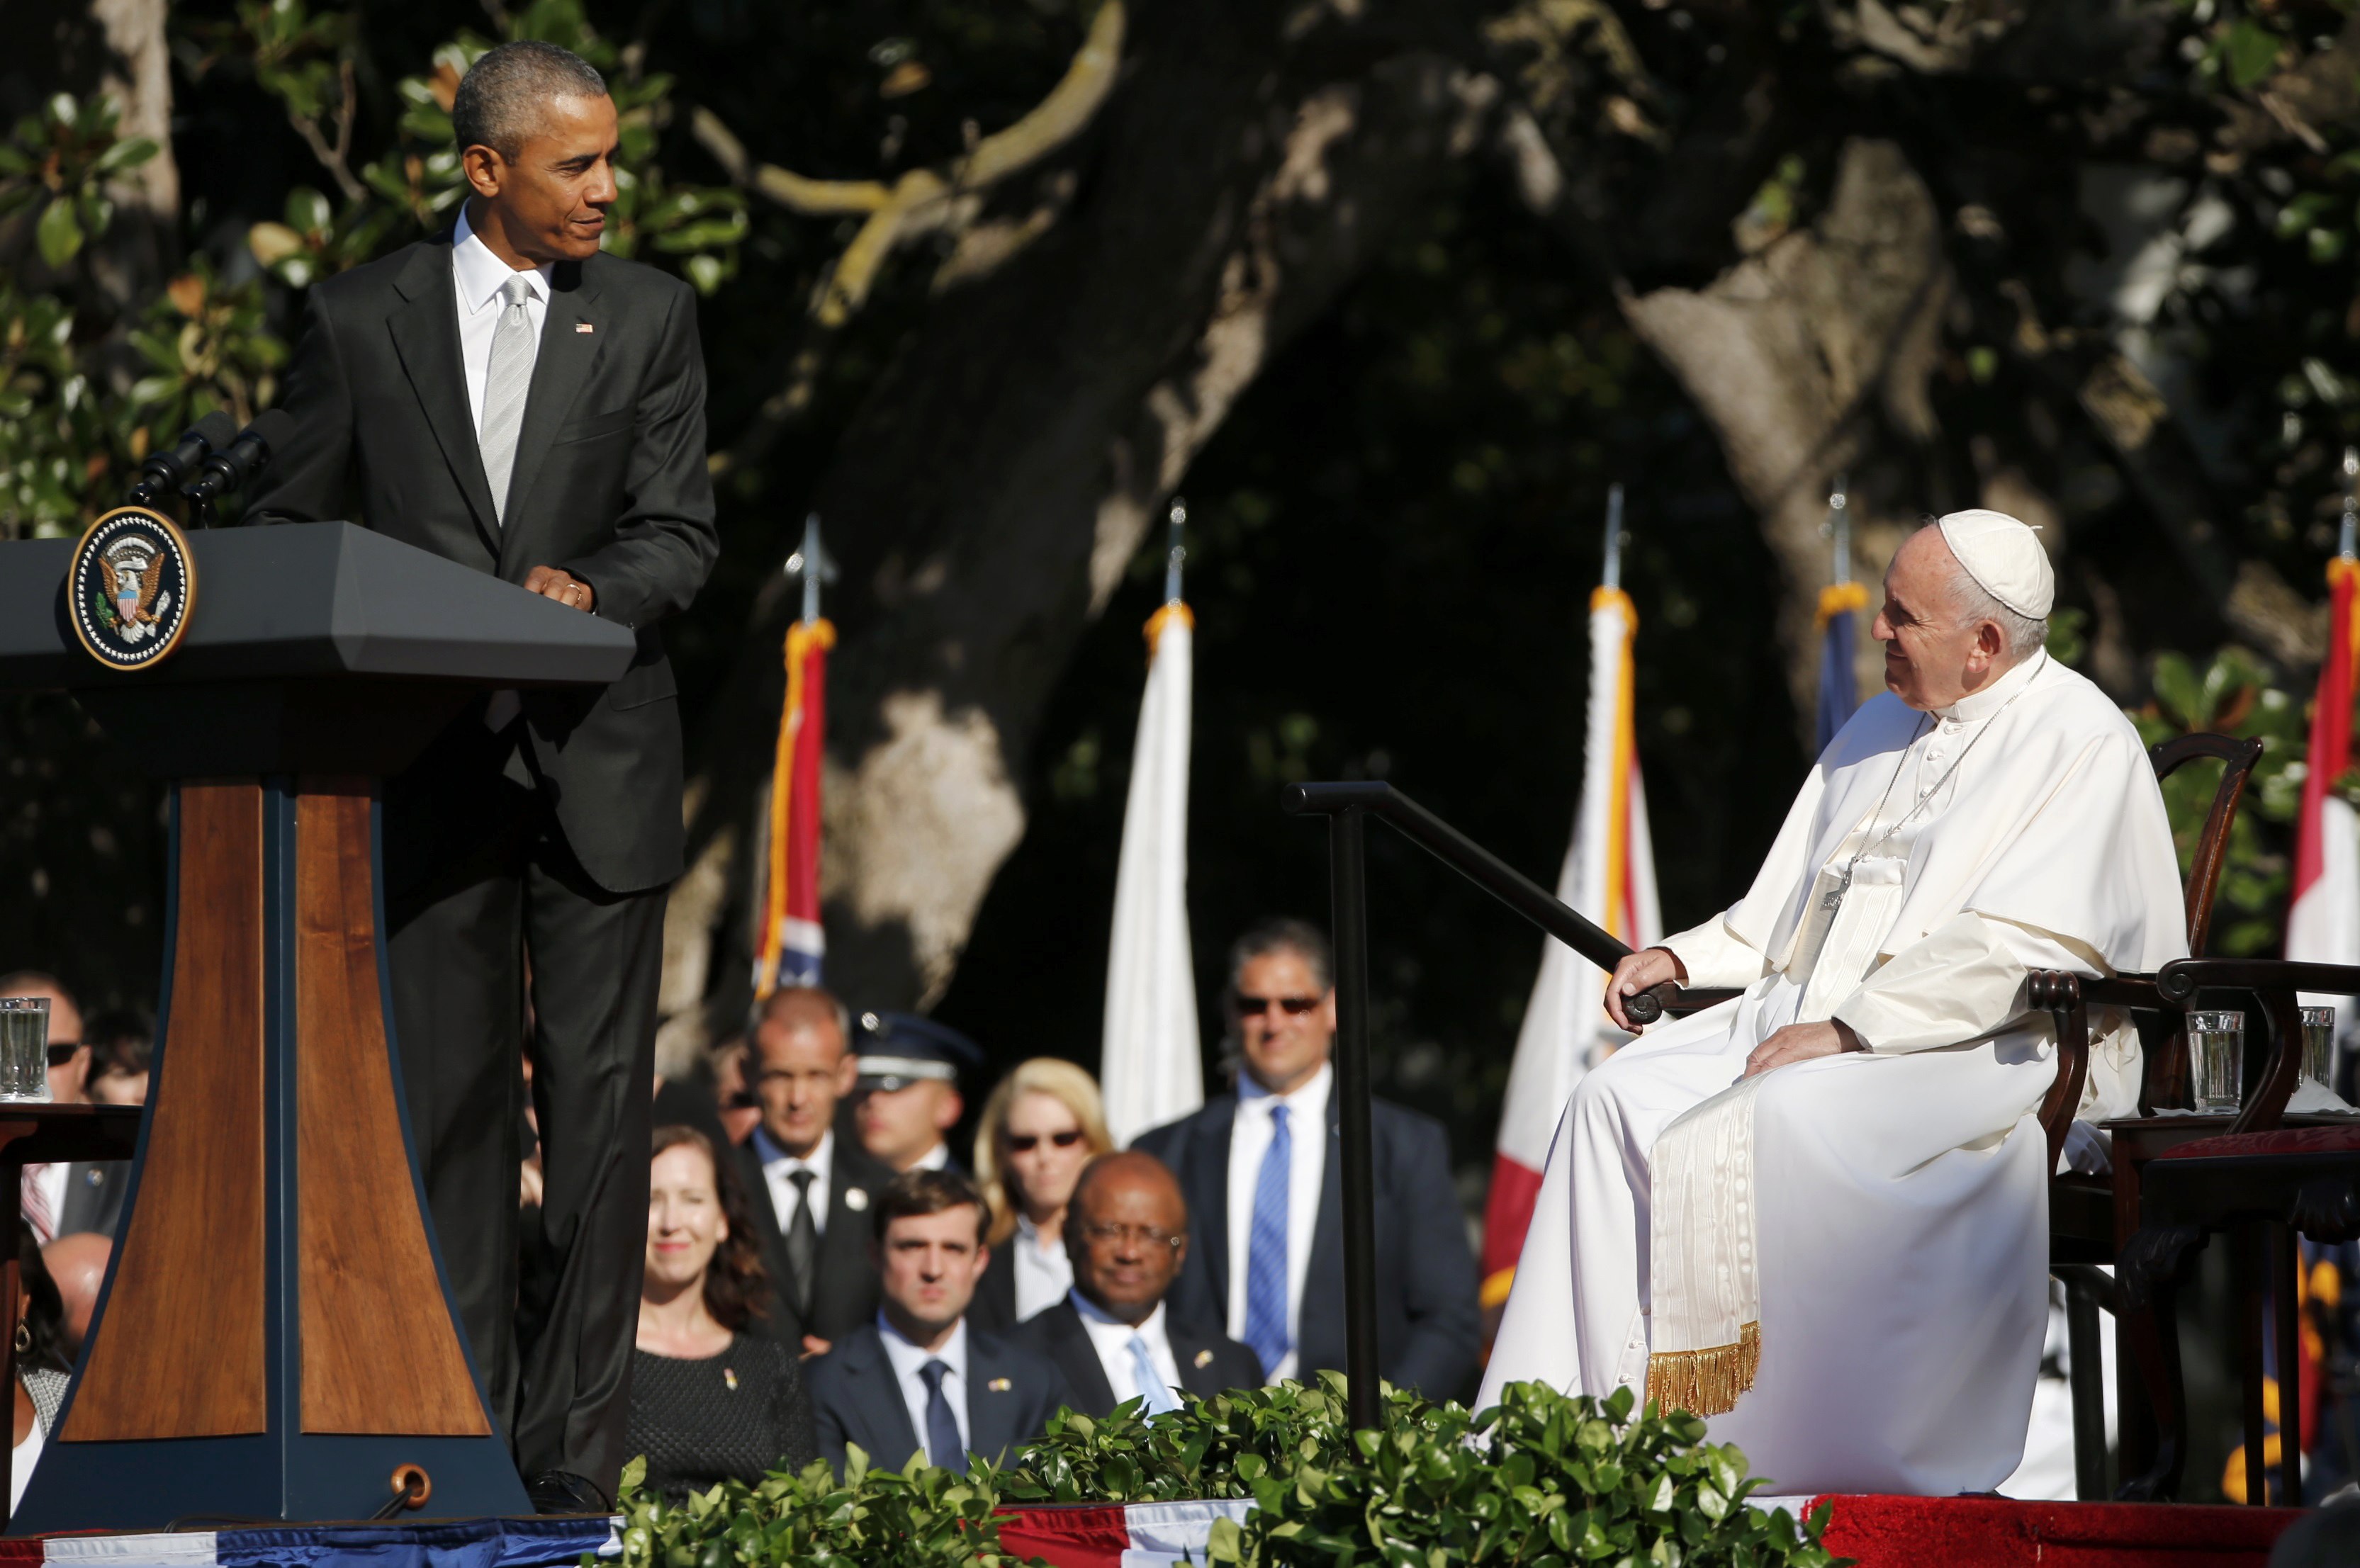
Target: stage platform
440 1543
1880 1532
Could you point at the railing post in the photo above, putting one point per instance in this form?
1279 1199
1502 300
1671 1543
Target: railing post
1349 891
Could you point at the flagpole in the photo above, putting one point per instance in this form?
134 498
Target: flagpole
1176 552
1613 577
1840 526
2347 540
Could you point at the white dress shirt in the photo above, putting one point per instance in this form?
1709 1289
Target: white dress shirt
1250 1136
936 1159
907 1359
777 1174
478 274
1043 1274
52 1182
1111 1337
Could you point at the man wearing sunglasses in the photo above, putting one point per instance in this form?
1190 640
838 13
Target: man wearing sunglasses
1260 1170
61 1198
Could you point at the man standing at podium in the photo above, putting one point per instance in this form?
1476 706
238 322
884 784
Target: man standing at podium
507 396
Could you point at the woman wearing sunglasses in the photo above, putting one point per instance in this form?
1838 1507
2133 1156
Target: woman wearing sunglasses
1042 1125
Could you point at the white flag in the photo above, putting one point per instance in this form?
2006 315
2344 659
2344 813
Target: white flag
1152 1064
1609 877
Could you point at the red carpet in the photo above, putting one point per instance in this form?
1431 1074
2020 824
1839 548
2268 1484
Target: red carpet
1881 1532
1987 1533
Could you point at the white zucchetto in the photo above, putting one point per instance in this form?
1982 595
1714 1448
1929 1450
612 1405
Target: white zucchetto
2004 557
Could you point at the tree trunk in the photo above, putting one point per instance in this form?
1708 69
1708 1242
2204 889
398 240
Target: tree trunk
998 482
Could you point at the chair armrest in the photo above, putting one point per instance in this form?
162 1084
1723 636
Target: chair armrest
2061 992
2179 980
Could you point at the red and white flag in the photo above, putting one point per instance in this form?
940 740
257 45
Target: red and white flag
2323 921
1609 877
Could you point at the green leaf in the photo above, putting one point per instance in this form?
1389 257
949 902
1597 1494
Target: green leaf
2251 51
58 234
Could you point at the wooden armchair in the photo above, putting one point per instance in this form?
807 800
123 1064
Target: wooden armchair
2091 1217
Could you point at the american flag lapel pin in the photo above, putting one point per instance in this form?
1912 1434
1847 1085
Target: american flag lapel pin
999 1385
583 327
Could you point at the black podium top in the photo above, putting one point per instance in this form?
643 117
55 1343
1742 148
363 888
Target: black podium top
311 648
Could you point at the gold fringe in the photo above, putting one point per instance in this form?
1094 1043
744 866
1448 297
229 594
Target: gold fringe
1705 1382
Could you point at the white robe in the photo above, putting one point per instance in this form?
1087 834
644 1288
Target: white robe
1894 1230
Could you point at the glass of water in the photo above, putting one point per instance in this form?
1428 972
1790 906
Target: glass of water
24 1049
2319 1046
2216 1056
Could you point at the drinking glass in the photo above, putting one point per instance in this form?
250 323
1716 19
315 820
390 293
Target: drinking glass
2216 1055
2319 1046
24 1048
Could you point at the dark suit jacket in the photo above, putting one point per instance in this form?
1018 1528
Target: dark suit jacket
1011 1392
609 484
1210 1361
844 1289
994 1307
94 1196
1428 1324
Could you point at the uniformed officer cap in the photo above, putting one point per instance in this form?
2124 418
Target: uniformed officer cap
900 1049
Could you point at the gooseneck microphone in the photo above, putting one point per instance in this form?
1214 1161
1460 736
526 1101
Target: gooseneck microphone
236 466
169 468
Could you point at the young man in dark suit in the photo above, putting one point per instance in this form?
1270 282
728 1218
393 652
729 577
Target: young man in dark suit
509 398
920 1376
1126 1232
817 1189
1261 1171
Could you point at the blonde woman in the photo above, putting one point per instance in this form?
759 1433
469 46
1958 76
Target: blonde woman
1042 1125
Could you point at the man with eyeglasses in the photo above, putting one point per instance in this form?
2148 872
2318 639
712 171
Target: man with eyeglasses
1127 1232
1260 1170
814 1188
62 1198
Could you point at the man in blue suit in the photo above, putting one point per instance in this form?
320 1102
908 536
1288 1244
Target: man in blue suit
1261 1171
919 1377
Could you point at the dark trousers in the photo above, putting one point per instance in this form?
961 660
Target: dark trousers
479 880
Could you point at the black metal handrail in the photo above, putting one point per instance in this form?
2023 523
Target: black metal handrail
1345 805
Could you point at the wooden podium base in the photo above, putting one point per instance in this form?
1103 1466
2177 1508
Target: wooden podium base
276 1335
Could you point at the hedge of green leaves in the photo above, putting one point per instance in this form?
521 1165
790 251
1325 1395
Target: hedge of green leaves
1541 1480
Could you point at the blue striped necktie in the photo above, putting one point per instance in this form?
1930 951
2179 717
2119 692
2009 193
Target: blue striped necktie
1268 1333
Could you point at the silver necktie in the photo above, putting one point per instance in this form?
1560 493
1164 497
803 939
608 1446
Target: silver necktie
514 347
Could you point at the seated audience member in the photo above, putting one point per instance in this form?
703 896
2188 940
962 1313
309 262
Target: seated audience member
42 1369
1128 1232
61 1196
908 1099
812 1190
120 1045
709 1402
921 1378
1042 1125
77 1266
1266 1199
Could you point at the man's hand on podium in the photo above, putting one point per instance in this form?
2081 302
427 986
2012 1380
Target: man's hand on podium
563 586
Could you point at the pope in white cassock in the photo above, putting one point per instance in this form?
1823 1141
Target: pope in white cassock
1818 1213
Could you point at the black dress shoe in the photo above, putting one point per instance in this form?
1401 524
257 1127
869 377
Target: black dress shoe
563 1492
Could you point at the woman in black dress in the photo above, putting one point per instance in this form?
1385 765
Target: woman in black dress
709 1402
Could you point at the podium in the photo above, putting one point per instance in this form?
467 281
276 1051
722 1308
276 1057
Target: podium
276 1339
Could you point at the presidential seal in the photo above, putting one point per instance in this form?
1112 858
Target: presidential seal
130 588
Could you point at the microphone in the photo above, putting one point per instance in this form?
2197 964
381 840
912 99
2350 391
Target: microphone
244 458
167 470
